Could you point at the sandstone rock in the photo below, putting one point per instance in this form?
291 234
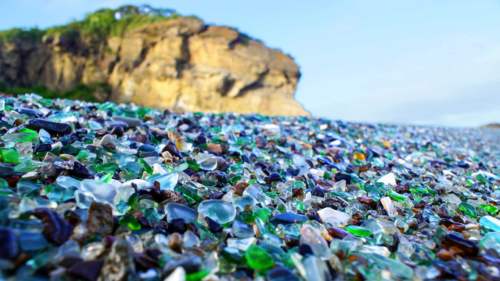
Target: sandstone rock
181 64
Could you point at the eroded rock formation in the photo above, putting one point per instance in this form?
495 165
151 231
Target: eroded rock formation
180 63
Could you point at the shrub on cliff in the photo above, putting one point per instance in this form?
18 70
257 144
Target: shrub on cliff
99 24
14 34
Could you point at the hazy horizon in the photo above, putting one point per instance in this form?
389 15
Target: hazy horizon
417 62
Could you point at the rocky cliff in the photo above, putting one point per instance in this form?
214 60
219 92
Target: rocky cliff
174 62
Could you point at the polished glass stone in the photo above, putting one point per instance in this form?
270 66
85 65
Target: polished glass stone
26 135
312 237
333 217
467 209
359 156
281 274
490 240
9 155
50 126
179 211
219 211
167 181
490 223
258 259
388 205
287 218
358 231
242 230
490 209
92 190
207 162
130 222
389 179
32 241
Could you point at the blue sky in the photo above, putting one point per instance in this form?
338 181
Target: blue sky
412 61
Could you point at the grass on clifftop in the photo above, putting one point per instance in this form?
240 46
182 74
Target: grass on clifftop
21 34
99 24
106 22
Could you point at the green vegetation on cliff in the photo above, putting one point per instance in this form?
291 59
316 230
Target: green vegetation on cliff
114 22
99 24
21 34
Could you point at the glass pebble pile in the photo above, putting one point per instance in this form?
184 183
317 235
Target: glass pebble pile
120 192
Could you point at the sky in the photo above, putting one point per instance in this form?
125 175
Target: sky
412 62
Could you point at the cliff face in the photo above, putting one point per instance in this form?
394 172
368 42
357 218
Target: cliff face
178 63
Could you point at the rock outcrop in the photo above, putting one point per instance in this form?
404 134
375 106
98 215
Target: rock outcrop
179 63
